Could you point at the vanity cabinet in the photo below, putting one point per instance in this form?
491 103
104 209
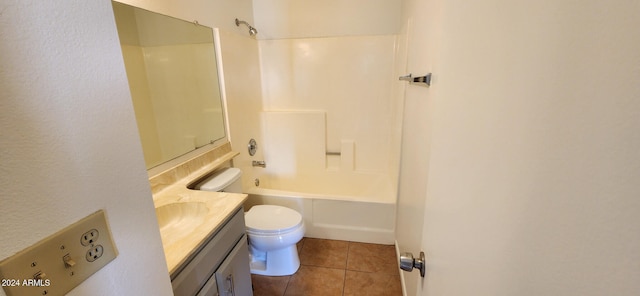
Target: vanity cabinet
220 267
230 278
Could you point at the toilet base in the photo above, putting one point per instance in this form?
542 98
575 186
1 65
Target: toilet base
279 262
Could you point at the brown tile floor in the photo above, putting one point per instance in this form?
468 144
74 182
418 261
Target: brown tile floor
332 267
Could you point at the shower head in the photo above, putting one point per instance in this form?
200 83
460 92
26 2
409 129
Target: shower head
252 30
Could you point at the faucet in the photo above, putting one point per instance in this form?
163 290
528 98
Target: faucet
259 163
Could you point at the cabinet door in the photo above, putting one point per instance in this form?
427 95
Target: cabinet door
233 276
210 288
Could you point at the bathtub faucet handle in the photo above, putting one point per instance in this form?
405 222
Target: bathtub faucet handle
259 163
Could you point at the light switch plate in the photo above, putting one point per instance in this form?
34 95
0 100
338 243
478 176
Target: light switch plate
60 262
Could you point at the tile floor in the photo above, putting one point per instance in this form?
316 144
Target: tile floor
333 267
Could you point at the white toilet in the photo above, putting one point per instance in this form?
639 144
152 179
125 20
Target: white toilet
273 231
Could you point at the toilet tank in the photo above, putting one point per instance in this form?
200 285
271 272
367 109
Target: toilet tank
224 180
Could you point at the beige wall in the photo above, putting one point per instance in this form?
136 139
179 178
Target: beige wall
531 186
69 141
241 64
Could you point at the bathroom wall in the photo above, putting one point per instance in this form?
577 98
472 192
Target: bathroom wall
69 141
291 19
335 57
349 78
240 65
212 13
531 185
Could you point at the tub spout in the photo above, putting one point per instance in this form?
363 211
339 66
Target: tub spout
259 163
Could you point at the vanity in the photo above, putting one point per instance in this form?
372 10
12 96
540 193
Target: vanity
222 264
203 232
232 276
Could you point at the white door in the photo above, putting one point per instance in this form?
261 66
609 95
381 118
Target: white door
531 138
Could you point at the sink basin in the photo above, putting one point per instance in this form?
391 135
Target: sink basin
178 219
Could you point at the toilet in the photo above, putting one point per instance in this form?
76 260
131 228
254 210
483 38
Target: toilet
273 231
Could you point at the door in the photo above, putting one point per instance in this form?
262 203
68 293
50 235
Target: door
530 185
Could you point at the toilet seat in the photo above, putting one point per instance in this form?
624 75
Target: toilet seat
272 220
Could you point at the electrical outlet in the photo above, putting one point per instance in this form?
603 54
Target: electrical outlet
60 262
95 253
89 237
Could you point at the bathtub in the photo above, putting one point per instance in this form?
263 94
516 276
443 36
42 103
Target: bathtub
343 206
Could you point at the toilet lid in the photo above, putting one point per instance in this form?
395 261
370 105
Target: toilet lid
271 219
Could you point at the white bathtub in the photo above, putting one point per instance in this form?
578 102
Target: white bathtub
344 206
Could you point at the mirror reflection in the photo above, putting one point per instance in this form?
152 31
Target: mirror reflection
173 79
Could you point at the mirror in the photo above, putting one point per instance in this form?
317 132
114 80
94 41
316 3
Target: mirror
173 79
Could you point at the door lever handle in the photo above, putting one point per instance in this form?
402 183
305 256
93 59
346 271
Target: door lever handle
408 263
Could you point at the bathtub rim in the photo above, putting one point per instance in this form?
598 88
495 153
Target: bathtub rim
294 194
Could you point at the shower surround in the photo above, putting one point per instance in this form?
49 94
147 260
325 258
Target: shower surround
324 111
350 80
336 200
329 132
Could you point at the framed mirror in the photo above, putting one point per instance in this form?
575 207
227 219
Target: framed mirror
173 78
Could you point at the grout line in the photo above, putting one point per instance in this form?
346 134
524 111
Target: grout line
346 265
344 281
287 286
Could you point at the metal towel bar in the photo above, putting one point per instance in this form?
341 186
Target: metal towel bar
425 80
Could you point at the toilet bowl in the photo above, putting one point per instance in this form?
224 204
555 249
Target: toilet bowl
273 231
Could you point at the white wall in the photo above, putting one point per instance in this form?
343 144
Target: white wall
69 141
336 57
286 19
350 78
532 182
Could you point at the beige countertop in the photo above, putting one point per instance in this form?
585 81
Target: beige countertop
179 246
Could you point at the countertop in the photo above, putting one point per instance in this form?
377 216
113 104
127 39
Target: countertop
179 247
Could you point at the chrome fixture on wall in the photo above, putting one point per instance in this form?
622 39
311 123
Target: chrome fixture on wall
252 30
259 163
252 147
423 80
